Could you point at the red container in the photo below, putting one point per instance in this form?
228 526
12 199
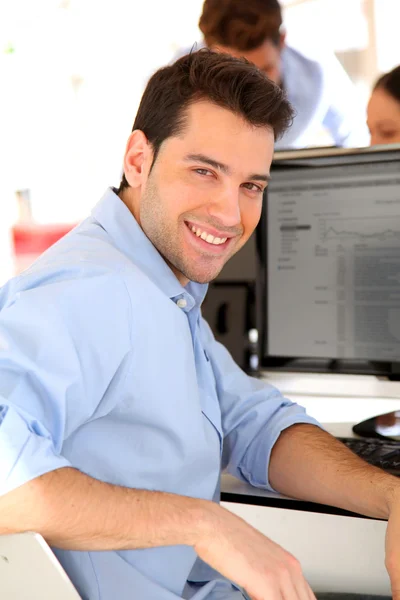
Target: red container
30 241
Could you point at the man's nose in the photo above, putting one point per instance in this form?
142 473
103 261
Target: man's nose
226 208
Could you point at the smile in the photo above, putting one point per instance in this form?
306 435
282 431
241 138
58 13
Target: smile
207 237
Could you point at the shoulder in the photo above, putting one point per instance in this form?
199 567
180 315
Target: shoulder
80 275
300 62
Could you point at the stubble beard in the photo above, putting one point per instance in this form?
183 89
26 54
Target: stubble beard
154 223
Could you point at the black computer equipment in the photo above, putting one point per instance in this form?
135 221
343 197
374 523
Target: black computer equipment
230 306
383 453
328 281
380 443
384 427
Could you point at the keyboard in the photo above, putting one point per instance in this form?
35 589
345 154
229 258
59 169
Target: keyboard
376 451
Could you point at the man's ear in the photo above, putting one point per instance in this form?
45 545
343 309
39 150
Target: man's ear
137 159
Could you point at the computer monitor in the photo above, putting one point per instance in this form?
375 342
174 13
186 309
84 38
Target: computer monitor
329 262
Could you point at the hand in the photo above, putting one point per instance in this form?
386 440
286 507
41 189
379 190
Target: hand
393 549
259 565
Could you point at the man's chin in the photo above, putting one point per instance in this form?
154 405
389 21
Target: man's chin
204 277
198 270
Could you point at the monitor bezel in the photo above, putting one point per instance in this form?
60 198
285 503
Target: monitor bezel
314 158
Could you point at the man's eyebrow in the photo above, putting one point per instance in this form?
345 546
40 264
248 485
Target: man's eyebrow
222 167
209 161
261 176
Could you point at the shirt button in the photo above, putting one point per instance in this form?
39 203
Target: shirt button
181 303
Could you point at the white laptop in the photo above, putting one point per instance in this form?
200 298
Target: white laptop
29 570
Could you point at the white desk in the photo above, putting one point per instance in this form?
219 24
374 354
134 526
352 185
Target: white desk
338 553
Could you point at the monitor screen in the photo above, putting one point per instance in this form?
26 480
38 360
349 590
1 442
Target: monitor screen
331 230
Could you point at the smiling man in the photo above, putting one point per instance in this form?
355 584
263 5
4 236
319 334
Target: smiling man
202 199
118 409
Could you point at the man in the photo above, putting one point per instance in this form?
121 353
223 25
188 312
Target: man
320 92
118 408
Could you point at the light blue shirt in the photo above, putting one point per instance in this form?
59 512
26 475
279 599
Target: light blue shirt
102 369
323 96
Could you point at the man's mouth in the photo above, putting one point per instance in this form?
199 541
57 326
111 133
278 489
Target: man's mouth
206 236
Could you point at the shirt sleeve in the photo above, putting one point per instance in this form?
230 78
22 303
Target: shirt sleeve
254 414
345 118
55 366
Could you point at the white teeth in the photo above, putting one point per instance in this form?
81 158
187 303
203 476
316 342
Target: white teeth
207 237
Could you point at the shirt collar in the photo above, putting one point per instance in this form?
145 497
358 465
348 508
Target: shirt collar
117 220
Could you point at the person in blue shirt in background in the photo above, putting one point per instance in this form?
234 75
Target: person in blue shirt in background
118 408
319 90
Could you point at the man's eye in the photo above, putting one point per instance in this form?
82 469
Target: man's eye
203 171
253 187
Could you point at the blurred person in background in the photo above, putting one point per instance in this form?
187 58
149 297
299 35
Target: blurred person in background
320 92
383 110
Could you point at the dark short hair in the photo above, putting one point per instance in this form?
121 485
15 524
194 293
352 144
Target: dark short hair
241 24
390 82
228 82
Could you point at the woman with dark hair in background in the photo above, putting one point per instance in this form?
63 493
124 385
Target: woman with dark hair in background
383 110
